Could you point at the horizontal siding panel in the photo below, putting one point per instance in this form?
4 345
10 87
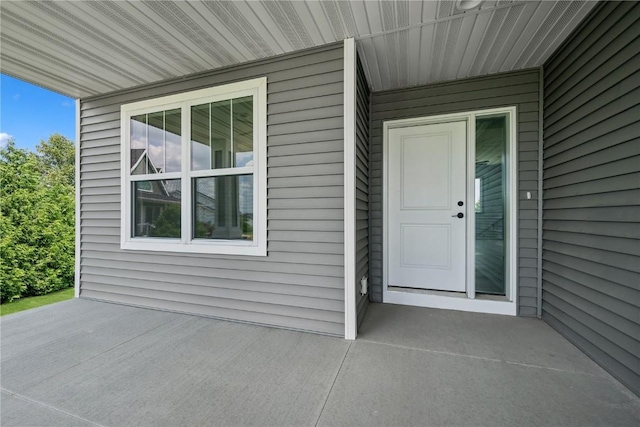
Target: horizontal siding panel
335 157
607 155
278 257
308 203
627 214
614 307
302 225
600 186
595 254
295 323
307 170
571 149
305 104
305 137
300 283
608 337
306 115
626 279
207 267
306 192
620 167
614 198
159 269
229 298
612 229
284 287
578 334
306 181
496 82
304 149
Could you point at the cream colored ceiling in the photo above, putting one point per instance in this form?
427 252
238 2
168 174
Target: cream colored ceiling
83 48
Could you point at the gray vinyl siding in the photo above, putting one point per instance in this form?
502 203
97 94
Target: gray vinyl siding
363 97
520 89
300 284
591 221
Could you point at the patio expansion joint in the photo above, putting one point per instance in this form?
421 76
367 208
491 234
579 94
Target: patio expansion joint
487 359
49 407
324 404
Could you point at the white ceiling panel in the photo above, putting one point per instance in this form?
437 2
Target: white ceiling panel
84 48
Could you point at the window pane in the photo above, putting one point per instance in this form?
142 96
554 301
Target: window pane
155 142
138 144
491 143
243 131
222 134
156 208
223 207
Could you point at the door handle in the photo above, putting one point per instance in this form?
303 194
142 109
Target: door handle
459 215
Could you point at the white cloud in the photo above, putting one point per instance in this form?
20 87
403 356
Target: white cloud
4 137
66 104
16 96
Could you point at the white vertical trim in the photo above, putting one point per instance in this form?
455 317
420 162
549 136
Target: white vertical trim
350 315
260 126
185 183
470 265
77 189
513 251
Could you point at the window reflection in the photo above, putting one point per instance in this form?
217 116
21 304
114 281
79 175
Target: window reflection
223 207
490 179
155 142
156 210
222 134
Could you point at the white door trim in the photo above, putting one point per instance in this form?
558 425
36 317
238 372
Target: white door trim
459 302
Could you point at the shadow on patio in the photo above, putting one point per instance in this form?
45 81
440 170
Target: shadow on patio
83 362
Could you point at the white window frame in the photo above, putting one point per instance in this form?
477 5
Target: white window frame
258 246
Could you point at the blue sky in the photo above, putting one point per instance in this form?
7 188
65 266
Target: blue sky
29 113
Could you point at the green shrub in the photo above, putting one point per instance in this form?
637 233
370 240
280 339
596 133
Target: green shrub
37 206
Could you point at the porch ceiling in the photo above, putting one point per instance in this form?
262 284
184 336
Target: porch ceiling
92 47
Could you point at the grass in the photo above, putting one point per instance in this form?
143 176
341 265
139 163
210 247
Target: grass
33 302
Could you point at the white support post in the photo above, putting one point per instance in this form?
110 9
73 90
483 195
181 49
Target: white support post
350 315
77 189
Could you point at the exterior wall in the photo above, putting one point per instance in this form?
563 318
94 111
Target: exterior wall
363 97
300 284
591 248
520 89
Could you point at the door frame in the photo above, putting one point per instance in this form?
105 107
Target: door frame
446 300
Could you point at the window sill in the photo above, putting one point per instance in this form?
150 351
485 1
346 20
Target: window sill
226 248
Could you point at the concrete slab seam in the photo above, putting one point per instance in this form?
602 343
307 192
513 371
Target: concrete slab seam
488 359
52 408
333 383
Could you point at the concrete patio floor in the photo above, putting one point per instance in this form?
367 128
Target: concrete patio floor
84 362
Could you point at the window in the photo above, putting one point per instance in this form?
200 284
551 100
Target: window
194 171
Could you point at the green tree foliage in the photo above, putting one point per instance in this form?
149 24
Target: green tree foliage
37 205
168 222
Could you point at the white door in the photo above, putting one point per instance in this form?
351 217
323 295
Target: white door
427 184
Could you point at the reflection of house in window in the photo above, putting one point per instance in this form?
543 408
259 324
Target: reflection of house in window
157 202
491 140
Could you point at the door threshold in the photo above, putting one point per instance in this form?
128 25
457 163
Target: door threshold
491 304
